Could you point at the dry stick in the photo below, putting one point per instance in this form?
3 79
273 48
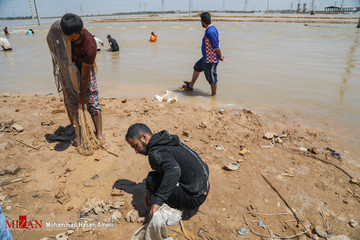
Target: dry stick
297 219
112 153
268 214
244 126
183 229
330 163
4 183
25 144
325 220
276 235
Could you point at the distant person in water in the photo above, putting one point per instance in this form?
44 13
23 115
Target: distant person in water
6 32
5 44
211 55
114 47
153 37
30 32
99 43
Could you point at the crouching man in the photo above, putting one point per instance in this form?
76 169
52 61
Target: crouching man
180 178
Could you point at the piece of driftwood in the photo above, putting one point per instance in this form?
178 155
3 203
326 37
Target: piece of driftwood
282 198
278 236
4 182
112 153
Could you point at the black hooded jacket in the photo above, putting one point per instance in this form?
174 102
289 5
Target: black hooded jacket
179 165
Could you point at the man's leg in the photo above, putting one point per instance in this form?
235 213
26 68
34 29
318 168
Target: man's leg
95 111
198 67
211 76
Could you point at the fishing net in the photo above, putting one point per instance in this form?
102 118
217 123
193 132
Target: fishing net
67 80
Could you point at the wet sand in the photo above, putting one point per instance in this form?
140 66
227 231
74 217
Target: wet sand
56 181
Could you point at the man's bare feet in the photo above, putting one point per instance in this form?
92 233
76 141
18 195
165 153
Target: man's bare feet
103 143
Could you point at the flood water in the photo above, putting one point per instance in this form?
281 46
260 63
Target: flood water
310 72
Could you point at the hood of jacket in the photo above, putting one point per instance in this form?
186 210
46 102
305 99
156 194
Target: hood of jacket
162 138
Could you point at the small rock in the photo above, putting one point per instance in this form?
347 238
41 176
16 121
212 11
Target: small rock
303 149
116 203
12 169
116 217
321 231
6 95
56 111
17 127
278 140
61 236
176 126
203 125
141 219
185 134
69 232
70 208
353 223
17 110
269 135
117 192
186 140
219 147
132 216
124 100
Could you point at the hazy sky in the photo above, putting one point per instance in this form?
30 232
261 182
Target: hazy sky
48 8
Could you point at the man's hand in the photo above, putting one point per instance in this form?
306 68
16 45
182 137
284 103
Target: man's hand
83 99
222 58
153 209
147 198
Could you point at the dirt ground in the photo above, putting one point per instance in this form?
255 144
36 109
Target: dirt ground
305 166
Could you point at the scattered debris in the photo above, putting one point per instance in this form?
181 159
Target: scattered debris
94 177
269 135
303 149
261 223
243 151
131 216
12 169
203 125
334 154
232 166
17 127
321 231
242 231
62 197
56 111
47 123
116 217
117 192
353 223
220 147
61 236
116 203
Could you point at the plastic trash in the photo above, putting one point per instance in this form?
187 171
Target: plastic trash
261 224
242 231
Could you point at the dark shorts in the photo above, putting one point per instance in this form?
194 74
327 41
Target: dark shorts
209 70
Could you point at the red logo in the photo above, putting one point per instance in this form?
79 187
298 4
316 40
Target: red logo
23 223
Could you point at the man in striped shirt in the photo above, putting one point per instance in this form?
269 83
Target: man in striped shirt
211 55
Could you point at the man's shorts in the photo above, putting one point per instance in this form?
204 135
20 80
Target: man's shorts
209 70
92 94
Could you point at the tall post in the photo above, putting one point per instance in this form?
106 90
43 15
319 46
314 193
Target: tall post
162 5
358 26
312 7
189 7
32 13
267 8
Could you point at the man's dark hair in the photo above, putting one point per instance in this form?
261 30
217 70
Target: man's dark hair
71 23
108 36
136 130
205 17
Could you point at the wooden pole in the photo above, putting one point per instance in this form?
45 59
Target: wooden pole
358 26
32 13
37 12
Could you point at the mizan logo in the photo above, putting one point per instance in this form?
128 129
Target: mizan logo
23 223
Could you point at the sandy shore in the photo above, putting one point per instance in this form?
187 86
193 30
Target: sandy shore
335 19
55 182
